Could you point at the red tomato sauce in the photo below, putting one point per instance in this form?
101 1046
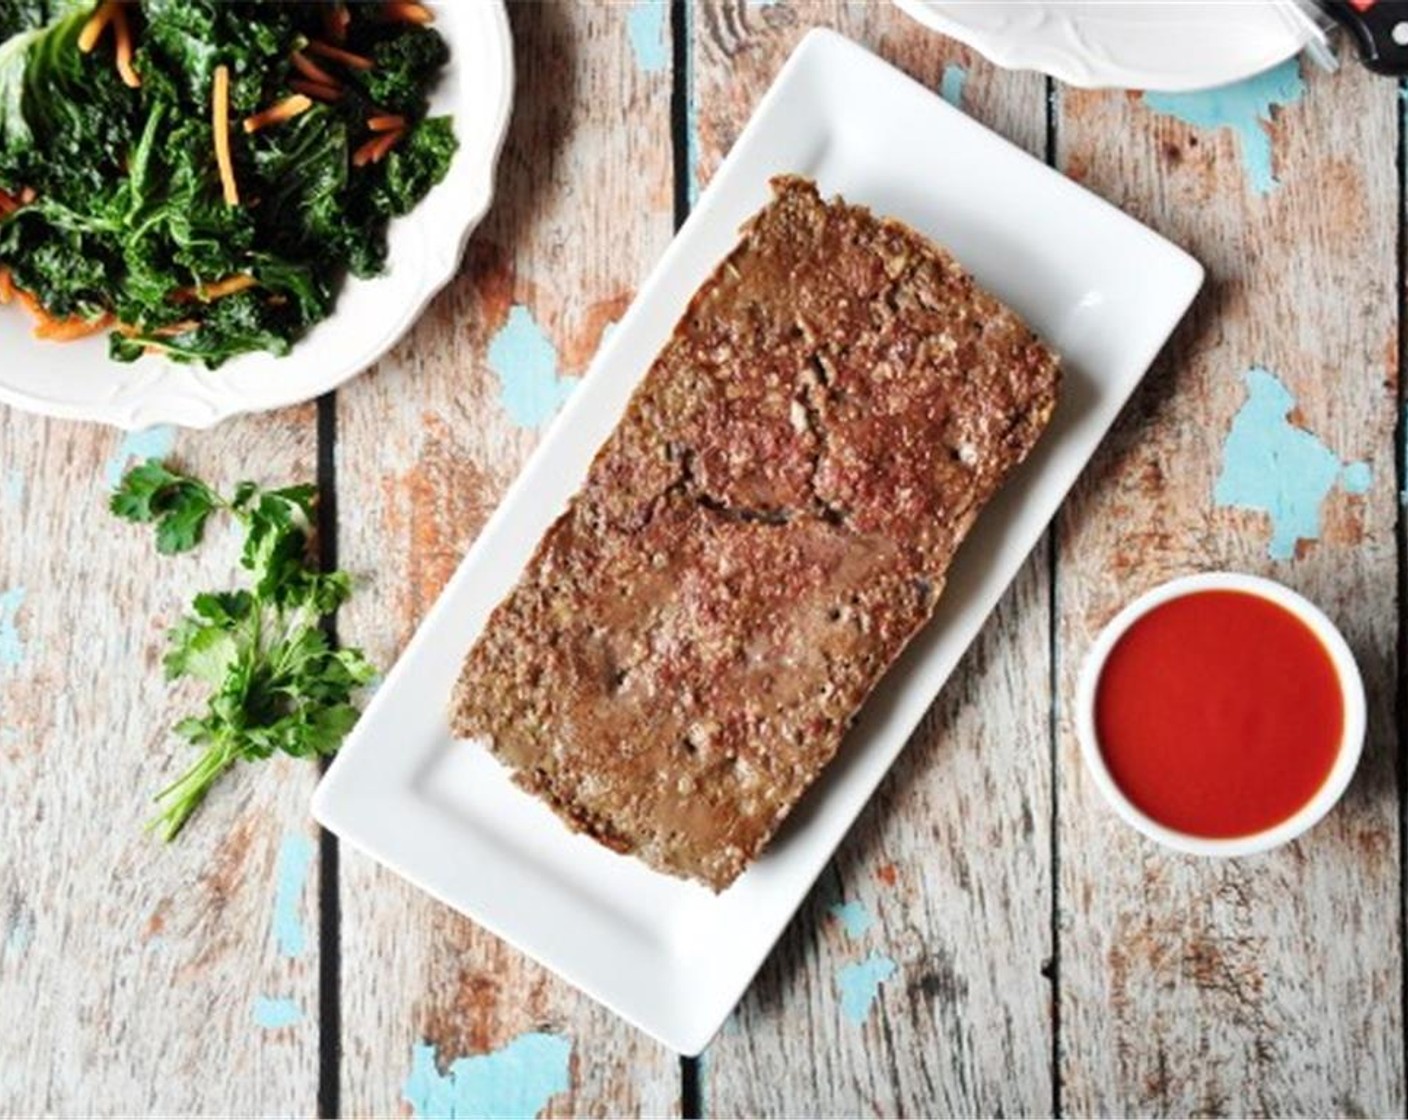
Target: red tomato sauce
1219 714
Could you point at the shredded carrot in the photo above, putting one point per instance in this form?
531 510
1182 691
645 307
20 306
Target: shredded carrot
32 305
172 330
66 330
207 292
129 330
316 90
96 25
277 113
312 71
7 286
221 114
405 12
375 148
8 204
337 54
336 21
123 32
54 329
386 122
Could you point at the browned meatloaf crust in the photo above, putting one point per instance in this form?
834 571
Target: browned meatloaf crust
760 537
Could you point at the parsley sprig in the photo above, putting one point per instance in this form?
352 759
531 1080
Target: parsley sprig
277 685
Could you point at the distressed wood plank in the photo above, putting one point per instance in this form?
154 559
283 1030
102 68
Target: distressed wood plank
1268 985
429 441
130 972
940 898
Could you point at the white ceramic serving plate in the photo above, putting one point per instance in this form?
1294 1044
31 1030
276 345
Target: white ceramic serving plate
1346 757
668 955
1126 44
77 380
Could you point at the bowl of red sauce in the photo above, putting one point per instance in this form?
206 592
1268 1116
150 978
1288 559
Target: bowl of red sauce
1221 714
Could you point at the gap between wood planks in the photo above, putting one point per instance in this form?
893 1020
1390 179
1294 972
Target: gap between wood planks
329 903
691 1086
1052 969
1400 443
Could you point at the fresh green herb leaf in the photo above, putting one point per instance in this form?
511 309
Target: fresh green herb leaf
179 505
277 685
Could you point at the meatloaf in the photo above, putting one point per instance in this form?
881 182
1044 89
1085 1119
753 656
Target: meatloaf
764 531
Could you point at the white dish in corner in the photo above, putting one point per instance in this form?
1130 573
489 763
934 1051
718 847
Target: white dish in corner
78 381
1125 44
668 955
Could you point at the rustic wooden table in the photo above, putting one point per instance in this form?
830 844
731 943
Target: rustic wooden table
990 938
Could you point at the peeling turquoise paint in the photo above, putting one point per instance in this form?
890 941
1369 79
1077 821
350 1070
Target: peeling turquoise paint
646 25
951 84
1271 466
525 362
11 647
290 877
272 1013
149 443
19 931
1356 478
14 487
859 984
853 916
516 1081
1245 107
691 112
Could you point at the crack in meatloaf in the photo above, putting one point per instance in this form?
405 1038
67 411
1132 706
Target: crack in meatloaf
759 538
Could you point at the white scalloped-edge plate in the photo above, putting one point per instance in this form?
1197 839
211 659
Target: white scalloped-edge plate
1172 45
78 381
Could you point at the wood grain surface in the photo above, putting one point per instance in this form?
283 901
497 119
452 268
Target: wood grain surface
132 972
430 439
990 939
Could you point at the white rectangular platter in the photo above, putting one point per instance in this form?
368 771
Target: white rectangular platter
667 955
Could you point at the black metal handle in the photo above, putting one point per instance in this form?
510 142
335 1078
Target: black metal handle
1380 31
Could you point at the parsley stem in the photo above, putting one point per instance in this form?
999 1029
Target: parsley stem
183 796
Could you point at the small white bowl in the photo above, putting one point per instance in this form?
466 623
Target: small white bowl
1346 758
